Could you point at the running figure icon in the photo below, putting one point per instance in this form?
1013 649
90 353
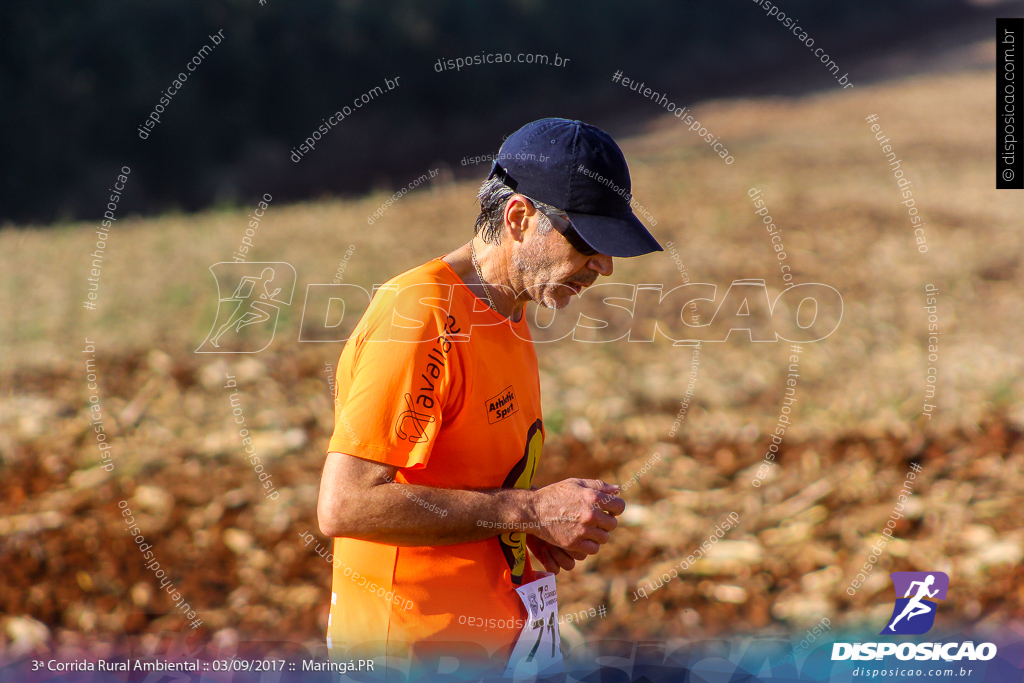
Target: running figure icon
249 311
914 613
915 606
258 291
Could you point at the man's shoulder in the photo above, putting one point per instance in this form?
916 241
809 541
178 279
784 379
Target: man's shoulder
421 298
434 273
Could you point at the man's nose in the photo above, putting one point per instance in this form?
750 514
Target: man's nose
602 263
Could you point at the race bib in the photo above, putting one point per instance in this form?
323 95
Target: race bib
537 651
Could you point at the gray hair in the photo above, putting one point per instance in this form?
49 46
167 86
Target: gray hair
494 196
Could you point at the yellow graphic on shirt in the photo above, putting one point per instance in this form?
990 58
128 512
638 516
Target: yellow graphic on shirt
513 544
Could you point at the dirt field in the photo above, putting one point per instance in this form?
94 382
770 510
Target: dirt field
72 573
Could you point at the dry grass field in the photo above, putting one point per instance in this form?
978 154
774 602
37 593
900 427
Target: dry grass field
69 564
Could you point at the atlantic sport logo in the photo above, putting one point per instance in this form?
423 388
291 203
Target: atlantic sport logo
914 614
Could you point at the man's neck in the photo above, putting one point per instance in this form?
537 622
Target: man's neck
494 267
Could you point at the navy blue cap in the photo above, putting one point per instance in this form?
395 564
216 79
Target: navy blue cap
578 168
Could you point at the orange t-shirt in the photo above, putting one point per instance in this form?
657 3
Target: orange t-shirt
435 382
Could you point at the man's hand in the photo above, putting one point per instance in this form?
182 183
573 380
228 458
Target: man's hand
552 557
576 515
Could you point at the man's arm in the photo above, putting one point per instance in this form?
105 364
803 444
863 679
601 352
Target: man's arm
359 499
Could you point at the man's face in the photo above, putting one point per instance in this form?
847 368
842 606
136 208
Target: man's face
550 269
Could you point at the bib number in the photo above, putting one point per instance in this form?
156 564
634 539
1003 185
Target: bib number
537 651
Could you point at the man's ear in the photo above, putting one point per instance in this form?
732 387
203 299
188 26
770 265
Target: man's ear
517 213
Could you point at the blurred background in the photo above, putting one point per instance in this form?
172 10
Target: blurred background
76 82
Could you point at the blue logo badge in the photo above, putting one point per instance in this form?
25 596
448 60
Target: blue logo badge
915 614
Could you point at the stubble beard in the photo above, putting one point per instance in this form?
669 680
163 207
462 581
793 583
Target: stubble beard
529 261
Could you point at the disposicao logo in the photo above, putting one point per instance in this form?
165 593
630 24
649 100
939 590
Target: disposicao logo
258 291
914 614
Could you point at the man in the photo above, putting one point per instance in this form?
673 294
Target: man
427 487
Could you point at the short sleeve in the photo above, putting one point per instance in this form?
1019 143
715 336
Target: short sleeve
397 376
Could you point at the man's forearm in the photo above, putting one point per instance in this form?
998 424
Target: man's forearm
408 515
360 499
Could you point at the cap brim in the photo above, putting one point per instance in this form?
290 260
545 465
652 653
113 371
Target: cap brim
622 237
